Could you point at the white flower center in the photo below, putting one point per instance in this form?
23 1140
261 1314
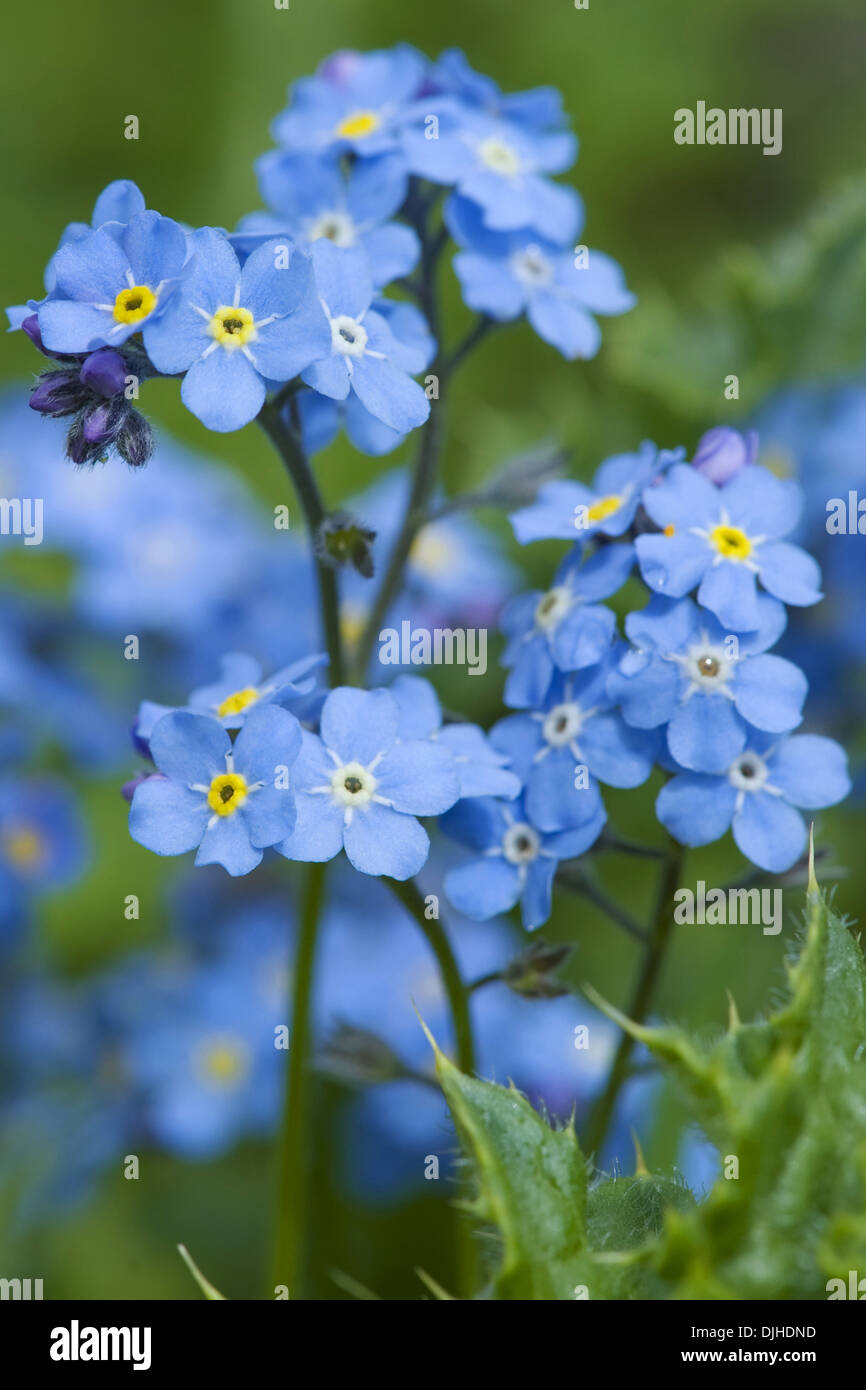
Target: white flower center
708 667
521 843
562 725
532 267
552 607
337 227
353 785
499 156
348 336
748 772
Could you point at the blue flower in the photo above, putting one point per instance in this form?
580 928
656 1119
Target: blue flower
507 274
539 108
313 198
517 861
501 164
360 787
569 510
203 1059
42 844
363 355
239 690
231 329
758 797
575 738
481 769
321 417
724 539
564 629
113 282
356 104
231 801
705 684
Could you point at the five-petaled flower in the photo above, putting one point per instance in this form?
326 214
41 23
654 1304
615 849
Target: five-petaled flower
231 801
360 786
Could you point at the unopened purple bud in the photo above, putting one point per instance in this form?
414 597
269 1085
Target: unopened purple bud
30 326
104 371
341 66
58 393
134 441
722 452
100 423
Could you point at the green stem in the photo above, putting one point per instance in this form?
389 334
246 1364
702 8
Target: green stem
456 991
583 886
293 1208
641 1000
286 441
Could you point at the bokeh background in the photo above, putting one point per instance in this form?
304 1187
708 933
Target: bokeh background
742 264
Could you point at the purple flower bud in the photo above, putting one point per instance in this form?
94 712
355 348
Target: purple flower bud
722 452
340 67
58 393
134 441
30 326
101 423
104 371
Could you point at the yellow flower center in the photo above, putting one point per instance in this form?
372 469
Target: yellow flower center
358 125
670 529
731 542
604 507
232 326
134 304
235 704
23 847
499 156
431 553
353 620
227 792
223 1060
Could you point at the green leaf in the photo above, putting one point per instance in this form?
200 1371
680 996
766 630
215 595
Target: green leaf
784 1099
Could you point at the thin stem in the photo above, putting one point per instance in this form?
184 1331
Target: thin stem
455 990
597 896
475 335
287 442
293 1206
641 1000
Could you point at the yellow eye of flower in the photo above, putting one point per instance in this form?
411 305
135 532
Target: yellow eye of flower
731 542
670 529
223 1060
232 326
134 304
23 847
358 125
227 792
236 703
604 507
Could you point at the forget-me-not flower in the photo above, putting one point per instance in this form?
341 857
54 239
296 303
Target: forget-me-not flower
230 801
359 786
233 329
565 509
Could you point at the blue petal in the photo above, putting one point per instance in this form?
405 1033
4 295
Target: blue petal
420 711
167 818
616 754
538 893
483 888
769 692
810 770
224 390
672 565
381 841
705 733
269 739
227 842
343 278
569 329
190 748
696 809
269 814
552 800
790 574
769 832
389 394
419 778
359 724
729 591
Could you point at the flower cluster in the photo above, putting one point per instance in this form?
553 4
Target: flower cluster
296 293
694 689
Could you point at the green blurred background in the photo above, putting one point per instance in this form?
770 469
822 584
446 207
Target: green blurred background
703 234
